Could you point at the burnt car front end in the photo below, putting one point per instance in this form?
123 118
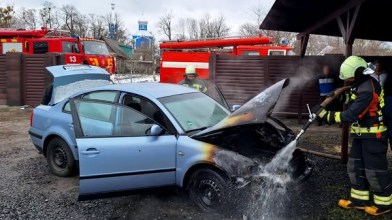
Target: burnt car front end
245 150
252 132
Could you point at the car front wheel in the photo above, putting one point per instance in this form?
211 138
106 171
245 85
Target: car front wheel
210 191
60 158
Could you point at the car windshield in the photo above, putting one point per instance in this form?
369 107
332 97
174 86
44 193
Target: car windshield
95 48
194 111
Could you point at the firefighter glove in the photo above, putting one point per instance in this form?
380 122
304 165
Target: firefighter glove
318 109
327 116
343 98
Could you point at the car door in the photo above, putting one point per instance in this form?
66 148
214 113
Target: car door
116 152
215 93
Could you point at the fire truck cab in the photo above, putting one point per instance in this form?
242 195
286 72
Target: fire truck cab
177 55
76 50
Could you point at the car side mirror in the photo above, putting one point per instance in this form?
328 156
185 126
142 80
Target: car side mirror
235 107
156 130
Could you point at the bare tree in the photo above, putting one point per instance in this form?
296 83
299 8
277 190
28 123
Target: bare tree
258 13
164 24
181 28
204 23
49 15
367 47
213 27
81 25
248 28
220 28
193 29
96 26
70 14
27 19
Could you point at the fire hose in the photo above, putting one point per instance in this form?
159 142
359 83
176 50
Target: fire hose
325 103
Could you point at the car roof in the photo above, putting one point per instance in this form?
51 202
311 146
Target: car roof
153 89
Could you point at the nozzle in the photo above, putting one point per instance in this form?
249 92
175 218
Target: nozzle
299 134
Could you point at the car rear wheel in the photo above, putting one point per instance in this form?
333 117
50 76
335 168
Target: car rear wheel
60 158
211 191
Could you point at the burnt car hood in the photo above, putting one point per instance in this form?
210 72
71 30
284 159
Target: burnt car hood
255 111
71 79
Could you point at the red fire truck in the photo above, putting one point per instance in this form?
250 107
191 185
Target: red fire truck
76 50
176 55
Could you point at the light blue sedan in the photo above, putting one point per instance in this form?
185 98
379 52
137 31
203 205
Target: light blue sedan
144 136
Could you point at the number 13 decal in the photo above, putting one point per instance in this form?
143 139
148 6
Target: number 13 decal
72 59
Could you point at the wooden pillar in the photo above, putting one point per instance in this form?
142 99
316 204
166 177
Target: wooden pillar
304 44
348 36
14 78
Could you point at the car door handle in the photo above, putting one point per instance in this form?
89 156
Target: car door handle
90 151
71 126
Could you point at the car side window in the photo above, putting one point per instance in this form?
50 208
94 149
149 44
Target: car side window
109 96
122 121
147 108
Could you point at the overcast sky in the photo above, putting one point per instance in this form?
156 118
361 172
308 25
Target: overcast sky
235 11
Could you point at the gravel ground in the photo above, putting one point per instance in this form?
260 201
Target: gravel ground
29 191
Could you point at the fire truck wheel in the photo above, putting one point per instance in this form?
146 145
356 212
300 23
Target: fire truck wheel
60 158
211 191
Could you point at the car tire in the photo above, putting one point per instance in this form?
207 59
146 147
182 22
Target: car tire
60 158
211 191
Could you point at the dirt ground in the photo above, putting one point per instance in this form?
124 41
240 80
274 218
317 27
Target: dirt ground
29 191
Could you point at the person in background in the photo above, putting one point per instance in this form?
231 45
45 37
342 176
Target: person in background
326 83
192 81
379 73
326 86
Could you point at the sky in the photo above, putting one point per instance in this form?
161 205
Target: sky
236 12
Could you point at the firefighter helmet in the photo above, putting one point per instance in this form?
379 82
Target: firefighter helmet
190 70
350 65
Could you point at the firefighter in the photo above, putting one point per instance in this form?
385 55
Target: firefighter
192 81
367 166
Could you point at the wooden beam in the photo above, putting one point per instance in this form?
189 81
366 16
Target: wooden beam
350 35
304 44
342 28
349 5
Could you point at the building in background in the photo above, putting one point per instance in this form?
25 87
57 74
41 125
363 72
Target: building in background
112 33
120 52
142 38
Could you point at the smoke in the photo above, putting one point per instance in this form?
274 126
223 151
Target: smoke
290 96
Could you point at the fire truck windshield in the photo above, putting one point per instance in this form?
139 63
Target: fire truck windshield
95 48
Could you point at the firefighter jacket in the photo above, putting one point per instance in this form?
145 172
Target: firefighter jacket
365 111
195 83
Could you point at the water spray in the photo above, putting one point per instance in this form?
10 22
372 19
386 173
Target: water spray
272 192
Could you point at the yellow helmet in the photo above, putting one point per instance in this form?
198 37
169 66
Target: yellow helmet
190 70
350 65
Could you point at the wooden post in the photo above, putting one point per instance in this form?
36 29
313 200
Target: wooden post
14 78
348 36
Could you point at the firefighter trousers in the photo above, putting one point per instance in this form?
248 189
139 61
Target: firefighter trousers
367 166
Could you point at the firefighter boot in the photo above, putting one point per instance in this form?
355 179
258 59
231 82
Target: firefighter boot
378 209
383 204
352 204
